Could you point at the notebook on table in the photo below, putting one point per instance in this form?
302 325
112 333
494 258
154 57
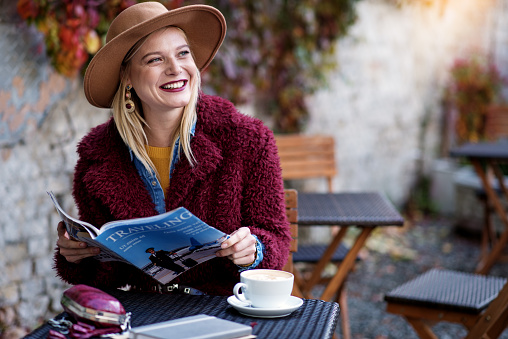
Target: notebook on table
198 326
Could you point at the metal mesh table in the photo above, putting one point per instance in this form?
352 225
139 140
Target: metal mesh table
366 210
346 209
314 319
482 150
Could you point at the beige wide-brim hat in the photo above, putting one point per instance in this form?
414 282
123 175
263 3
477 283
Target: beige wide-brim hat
204 26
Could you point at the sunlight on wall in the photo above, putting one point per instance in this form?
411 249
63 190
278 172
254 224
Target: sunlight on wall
393 67
465 21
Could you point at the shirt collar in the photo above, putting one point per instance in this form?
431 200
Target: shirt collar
192 131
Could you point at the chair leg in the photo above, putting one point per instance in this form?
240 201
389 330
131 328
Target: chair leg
299 281
499 327
296 291
344 312
421 328
488 233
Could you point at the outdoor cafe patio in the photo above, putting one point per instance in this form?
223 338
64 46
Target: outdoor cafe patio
390 109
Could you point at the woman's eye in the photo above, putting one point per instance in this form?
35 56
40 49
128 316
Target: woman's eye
183 53
154 60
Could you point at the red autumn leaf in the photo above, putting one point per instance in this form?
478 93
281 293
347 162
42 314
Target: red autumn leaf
27 9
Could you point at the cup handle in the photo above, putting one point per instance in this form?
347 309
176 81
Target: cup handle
238 295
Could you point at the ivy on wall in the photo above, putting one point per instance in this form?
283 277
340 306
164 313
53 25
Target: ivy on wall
276 51
279 51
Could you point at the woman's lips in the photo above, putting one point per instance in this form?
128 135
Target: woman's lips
174 86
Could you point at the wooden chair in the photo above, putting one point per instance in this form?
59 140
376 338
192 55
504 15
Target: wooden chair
307 156
291 199
478 302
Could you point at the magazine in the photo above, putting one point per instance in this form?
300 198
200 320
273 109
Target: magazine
162 246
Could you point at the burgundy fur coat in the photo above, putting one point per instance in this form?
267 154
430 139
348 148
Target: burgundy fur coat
236 182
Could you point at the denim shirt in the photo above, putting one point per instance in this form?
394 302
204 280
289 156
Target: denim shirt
154 187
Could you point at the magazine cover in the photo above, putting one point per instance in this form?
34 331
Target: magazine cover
162 246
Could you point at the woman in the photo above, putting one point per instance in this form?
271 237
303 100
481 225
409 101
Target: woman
169 145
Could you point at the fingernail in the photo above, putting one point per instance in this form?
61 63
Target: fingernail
82 244
96 250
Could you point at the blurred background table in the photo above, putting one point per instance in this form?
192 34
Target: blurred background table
487 159
314 319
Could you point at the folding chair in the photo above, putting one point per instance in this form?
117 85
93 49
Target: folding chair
478 302
488 159
305 157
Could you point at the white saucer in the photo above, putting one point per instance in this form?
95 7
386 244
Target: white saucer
292 304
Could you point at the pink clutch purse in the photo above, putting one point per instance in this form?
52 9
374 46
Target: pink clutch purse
85 302
94 312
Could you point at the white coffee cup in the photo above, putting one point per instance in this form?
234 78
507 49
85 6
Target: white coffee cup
264 288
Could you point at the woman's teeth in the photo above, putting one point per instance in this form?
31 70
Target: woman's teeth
174 85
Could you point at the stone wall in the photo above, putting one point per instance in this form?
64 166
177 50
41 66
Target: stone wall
382 106
42 117
43 160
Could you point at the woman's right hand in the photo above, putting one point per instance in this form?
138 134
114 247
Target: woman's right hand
73 251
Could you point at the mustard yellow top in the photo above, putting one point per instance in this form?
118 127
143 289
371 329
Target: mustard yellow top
160 157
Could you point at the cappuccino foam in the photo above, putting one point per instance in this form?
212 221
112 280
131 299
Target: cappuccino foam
267 277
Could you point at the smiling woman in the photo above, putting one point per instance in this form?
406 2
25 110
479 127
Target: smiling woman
163 73
170 145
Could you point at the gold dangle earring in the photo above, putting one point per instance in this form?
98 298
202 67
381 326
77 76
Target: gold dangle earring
129 104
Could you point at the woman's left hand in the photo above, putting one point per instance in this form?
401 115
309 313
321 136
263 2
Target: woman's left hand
240 247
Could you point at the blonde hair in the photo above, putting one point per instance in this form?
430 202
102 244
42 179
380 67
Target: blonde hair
130 125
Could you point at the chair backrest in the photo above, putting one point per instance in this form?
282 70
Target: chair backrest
291 198
307 156
494 319
496 123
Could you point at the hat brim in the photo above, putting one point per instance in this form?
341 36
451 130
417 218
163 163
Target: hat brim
204 26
